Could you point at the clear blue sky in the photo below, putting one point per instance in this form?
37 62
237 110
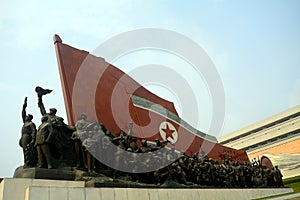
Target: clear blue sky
255 46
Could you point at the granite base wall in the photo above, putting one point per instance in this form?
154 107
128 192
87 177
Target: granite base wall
36 189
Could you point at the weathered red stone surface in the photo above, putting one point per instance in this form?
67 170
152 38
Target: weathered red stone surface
93 86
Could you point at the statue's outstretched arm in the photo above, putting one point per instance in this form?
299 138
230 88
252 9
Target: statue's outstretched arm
41 106
40 92
24 110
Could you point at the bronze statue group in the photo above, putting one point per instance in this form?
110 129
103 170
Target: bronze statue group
83 147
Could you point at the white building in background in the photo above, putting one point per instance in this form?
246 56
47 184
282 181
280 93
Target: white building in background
277 137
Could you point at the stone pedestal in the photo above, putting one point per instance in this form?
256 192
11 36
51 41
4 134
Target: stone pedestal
36 189
41 173
15 188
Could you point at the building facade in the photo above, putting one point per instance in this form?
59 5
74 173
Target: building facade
277 137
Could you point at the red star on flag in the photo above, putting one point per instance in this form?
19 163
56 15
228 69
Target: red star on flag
168 132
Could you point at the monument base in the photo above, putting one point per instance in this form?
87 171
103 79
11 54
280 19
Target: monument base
92 179
42 173
36 189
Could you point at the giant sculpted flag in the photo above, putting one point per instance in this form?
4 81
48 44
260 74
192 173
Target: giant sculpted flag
106 94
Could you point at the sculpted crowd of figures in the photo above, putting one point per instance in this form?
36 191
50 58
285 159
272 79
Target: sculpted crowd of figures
56 145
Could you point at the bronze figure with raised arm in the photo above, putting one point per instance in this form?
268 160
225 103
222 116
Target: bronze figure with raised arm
27 139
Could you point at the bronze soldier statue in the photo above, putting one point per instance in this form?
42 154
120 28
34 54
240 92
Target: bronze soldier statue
78 136
90 159
91 144
28 138
62 147
278 177
82 123
43 138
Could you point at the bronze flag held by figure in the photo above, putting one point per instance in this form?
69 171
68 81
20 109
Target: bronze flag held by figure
40 91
